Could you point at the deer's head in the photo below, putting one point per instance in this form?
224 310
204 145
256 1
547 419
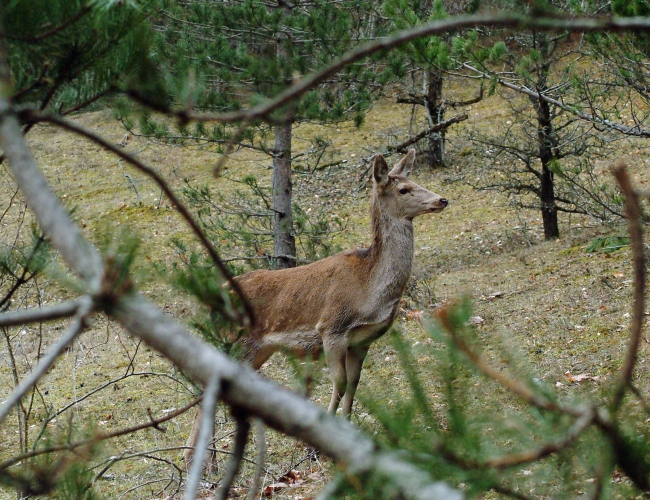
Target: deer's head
399 197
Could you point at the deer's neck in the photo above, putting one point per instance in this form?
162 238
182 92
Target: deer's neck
391 253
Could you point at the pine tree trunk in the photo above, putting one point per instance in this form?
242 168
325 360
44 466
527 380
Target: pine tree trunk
435 152
284 243
547 189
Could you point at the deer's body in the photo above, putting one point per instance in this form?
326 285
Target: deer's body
340 304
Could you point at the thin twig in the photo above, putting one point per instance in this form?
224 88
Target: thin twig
206 431
260 435
78 325
513 385
243 428
100 436
547 449
32 116
401 147
633 214
24 316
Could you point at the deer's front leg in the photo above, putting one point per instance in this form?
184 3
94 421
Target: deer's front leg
353 363
335 355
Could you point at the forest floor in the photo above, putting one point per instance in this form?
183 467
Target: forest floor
548 309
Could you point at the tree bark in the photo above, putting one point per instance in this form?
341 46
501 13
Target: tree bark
547 143
284 243
435 152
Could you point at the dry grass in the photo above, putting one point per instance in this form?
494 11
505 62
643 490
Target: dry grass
556 307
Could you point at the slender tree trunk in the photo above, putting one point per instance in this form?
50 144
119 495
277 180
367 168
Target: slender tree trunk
284 243
546 155
435 152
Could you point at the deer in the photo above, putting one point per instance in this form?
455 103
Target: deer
340 304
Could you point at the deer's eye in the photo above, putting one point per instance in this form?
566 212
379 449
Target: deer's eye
404 190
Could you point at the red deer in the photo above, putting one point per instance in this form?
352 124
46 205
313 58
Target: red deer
341 304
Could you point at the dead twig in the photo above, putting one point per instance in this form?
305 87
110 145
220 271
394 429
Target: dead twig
35 117
78 325
35 315
206 431
99 437
402 146
633 215
243 429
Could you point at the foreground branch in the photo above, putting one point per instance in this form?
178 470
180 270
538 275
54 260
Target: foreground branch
633 214
24 316
78 325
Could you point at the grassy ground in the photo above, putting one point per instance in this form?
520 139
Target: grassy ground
551 306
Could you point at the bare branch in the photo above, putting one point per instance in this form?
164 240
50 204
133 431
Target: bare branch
153 422
401 147
34 117
24 316
206 431
53 218
243 429
500 19
633 214
78 325
261 457
635 131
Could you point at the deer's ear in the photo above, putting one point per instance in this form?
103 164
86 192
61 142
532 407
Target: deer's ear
380 170
404 166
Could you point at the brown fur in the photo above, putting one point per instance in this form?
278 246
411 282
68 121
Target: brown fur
340 304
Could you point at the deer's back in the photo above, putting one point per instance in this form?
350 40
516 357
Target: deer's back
299 296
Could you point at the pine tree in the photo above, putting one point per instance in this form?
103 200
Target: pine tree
245 51
65 55
429 60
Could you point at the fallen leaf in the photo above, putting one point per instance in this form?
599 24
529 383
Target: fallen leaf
272 488
574 379
414 315
290 477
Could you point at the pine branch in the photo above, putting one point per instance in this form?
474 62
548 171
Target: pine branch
513 385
